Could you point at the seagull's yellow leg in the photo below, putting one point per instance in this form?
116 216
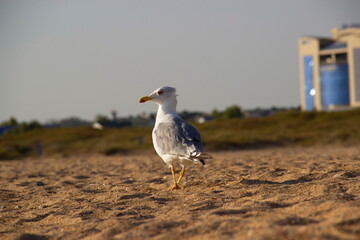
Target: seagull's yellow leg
176 186
182 173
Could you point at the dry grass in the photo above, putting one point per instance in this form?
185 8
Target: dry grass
282 129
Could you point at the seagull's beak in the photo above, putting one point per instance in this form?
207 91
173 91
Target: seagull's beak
145 99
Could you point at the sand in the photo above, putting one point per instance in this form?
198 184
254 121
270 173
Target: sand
278 193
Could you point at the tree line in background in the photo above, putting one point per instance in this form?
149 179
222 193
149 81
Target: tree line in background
14 126
19 127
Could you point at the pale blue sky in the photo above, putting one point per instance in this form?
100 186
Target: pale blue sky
83 57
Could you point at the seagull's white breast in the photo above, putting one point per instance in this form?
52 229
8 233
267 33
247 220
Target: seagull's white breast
162 118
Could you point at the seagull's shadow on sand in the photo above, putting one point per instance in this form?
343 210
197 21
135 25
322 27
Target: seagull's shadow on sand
302 179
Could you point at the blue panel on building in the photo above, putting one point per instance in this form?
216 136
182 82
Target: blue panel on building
309 83
334 85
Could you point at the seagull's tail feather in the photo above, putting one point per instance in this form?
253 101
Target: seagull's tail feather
200 157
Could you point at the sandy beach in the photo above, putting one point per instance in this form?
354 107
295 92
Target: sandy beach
277 193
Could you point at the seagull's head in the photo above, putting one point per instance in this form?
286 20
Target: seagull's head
161 95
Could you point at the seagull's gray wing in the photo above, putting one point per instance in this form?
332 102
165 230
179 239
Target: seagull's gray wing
178 138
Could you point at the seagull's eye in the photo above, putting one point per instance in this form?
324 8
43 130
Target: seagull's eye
161 91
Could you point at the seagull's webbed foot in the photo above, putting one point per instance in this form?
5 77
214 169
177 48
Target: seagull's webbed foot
175 187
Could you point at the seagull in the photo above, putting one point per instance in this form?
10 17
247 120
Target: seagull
175 141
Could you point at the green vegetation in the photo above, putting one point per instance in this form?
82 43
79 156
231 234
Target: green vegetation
20 127
74 141
101 118
286 128
233 111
